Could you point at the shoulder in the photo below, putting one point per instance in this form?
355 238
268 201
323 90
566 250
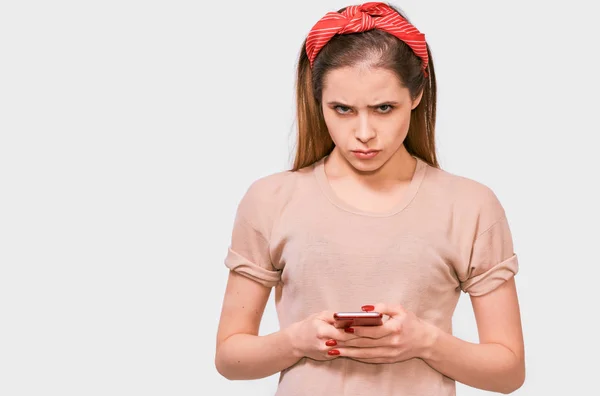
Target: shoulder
271 189
459 187
466 196
277 188
266 198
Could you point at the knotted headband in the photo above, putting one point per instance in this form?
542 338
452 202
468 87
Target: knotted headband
367 16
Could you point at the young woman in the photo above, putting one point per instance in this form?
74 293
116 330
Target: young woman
366 219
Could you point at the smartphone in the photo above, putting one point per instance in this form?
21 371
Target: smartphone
347 319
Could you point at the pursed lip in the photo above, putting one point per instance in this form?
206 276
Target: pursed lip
365 151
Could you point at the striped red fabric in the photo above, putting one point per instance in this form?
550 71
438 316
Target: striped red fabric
360 18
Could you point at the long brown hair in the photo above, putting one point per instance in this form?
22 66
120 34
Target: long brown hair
313 140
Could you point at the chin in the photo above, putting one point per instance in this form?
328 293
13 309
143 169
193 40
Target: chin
370 165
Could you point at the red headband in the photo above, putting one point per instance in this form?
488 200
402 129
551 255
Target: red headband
368 16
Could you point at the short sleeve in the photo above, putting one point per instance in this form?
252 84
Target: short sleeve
249 252
492 260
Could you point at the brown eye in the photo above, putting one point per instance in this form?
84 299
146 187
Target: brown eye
386 108
342 109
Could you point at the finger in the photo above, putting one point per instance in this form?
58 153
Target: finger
326 332
325 356
373 332
366 353
390 310
364 342
331 353
326 316
389 327
373 307
374 360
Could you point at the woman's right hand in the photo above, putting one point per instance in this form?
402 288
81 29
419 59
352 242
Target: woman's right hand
316 337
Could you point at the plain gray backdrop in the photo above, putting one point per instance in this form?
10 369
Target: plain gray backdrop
129 130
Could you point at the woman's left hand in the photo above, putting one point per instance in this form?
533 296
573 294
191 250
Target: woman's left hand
403 336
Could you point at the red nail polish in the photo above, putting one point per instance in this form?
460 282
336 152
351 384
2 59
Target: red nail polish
349 329
333 352
331 343
367 308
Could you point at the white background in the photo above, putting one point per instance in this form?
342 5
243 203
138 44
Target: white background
130 130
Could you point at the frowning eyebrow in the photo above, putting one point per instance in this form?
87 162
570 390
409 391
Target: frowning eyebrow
337 103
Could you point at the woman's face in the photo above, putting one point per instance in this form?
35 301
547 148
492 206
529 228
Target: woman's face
367 112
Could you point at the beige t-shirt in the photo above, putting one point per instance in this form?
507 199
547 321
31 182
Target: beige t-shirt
447 234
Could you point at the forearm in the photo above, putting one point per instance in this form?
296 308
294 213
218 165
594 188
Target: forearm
246 356
491 367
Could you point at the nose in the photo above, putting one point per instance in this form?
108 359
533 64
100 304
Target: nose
364 130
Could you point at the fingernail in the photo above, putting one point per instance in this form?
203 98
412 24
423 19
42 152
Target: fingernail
368 308
333 352
331 343
349 329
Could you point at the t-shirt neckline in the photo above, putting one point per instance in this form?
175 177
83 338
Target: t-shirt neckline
407 197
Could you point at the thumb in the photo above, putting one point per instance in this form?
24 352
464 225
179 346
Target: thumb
326 316
389 310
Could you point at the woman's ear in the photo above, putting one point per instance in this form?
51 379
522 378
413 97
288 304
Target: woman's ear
417 100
